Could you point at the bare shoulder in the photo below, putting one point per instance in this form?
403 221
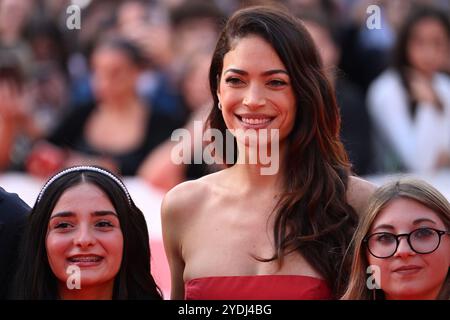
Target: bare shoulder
187 197
358 193
183 197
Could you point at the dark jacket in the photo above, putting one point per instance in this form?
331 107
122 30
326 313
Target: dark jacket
13 216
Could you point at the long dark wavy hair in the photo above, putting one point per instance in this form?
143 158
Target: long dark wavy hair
400 59
34 278
312 216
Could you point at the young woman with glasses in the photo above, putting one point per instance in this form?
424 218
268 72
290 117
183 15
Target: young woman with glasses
405 240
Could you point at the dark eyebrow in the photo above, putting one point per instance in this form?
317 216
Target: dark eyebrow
63 214
423 220
275 71
384 226
238 71
265 73
415 222
102 213
69 214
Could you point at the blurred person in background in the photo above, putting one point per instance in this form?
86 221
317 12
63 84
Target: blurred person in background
365 49
34 46
13 216
11 83
98 22
118 130
158 168
47 84
330 9
147 25
16 63
355 127
15 116
410 102
14 15
195 25
168 33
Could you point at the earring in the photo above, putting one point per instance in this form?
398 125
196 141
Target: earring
219 105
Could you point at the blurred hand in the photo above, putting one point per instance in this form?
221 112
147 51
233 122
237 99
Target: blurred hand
160 171
45 159
443 160
11 103
422 90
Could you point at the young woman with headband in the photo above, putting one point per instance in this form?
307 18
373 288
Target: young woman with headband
85 239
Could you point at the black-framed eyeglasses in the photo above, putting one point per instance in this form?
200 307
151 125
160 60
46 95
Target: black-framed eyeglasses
423 240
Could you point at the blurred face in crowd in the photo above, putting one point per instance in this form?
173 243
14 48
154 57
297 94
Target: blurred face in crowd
328 51
114 75
13 15
408 274
195 86
193 35
131 14
84 231
428 47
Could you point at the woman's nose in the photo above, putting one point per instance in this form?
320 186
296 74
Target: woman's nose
84 237
404 249
254 97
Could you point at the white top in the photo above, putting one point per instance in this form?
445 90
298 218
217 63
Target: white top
416 142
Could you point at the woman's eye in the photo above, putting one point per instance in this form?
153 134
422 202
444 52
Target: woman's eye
423 233
233 81
104 224
277 83
62 225
385 238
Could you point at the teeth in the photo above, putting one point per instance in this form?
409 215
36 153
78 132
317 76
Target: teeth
85 259
256 121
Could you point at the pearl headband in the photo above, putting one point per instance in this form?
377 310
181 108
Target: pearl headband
85 168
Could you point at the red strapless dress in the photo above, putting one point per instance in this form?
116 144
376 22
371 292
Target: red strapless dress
261 287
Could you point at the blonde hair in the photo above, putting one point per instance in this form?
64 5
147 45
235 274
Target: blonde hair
414 189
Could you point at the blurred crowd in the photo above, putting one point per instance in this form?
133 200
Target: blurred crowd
111 92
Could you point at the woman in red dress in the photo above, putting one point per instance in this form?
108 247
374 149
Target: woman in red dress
249 233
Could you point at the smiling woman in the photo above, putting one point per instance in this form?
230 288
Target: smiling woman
86 234
241 234
255 90
85 239
405 238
